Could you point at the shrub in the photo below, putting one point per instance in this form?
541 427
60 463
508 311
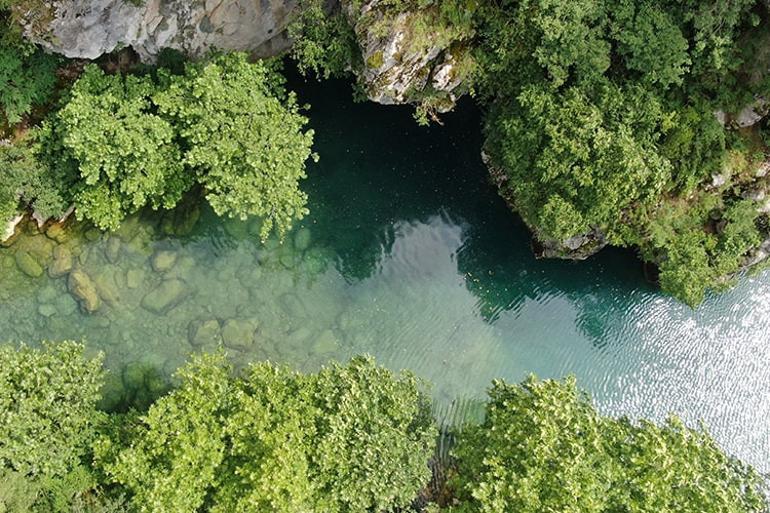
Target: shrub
25 181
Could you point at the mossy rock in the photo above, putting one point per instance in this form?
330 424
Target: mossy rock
28 265
240 333
62 262
83 289
205 334
166 296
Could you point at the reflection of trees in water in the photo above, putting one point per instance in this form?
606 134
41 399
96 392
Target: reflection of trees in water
503 277
379 168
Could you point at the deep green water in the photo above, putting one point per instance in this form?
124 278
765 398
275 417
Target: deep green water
409 255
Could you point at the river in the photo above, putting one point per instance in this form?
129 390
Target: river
409 255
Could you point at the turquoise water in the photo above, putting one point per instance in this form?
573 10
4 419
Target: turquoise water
409 255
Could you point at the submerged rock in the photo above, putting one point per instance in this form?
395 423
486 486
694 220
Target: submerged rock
112 250
62 262
106 287
83 289
134 278
46 310
206 334
166 296
302 239
326 343
57 232
163 260
28 265
240 333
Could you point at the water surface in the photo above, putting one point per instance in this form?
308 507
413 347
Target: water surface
408 255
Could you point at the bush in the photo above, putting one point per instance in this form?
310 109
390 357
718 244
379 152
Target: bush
543 447
48 410
348 439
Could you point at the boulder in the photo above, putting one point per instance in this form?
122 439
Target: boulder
205 333
62 262
82 288
165 296
28 265
240 333
163 260
106 287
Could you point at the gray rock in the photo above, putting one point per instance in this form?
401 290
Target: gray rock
90 28
165 296
240 333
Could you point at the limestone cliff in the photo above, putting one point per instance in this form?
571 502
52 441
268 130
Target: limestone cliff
90 28
399 64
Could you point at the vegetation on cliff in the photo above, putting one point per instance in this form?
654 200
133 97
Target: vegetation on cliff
601 118
355 438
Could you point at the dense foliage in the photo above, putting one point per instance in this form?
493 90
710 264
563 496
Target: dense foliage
24 181
600 115
27 75
543 447
48 421
348 439
129 141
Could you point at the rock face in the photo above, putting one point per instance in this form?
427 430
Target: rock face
9 230
90 28
397 64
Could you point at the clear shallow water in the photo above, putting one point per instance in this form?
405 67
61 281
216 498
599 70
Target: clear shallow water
408 255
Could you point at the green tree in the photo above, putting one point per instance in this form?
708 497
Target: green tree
126 156
348 439
543 447
582 158
48 410
243 136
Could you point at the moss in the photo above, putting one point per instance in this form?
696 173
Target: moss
375 60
